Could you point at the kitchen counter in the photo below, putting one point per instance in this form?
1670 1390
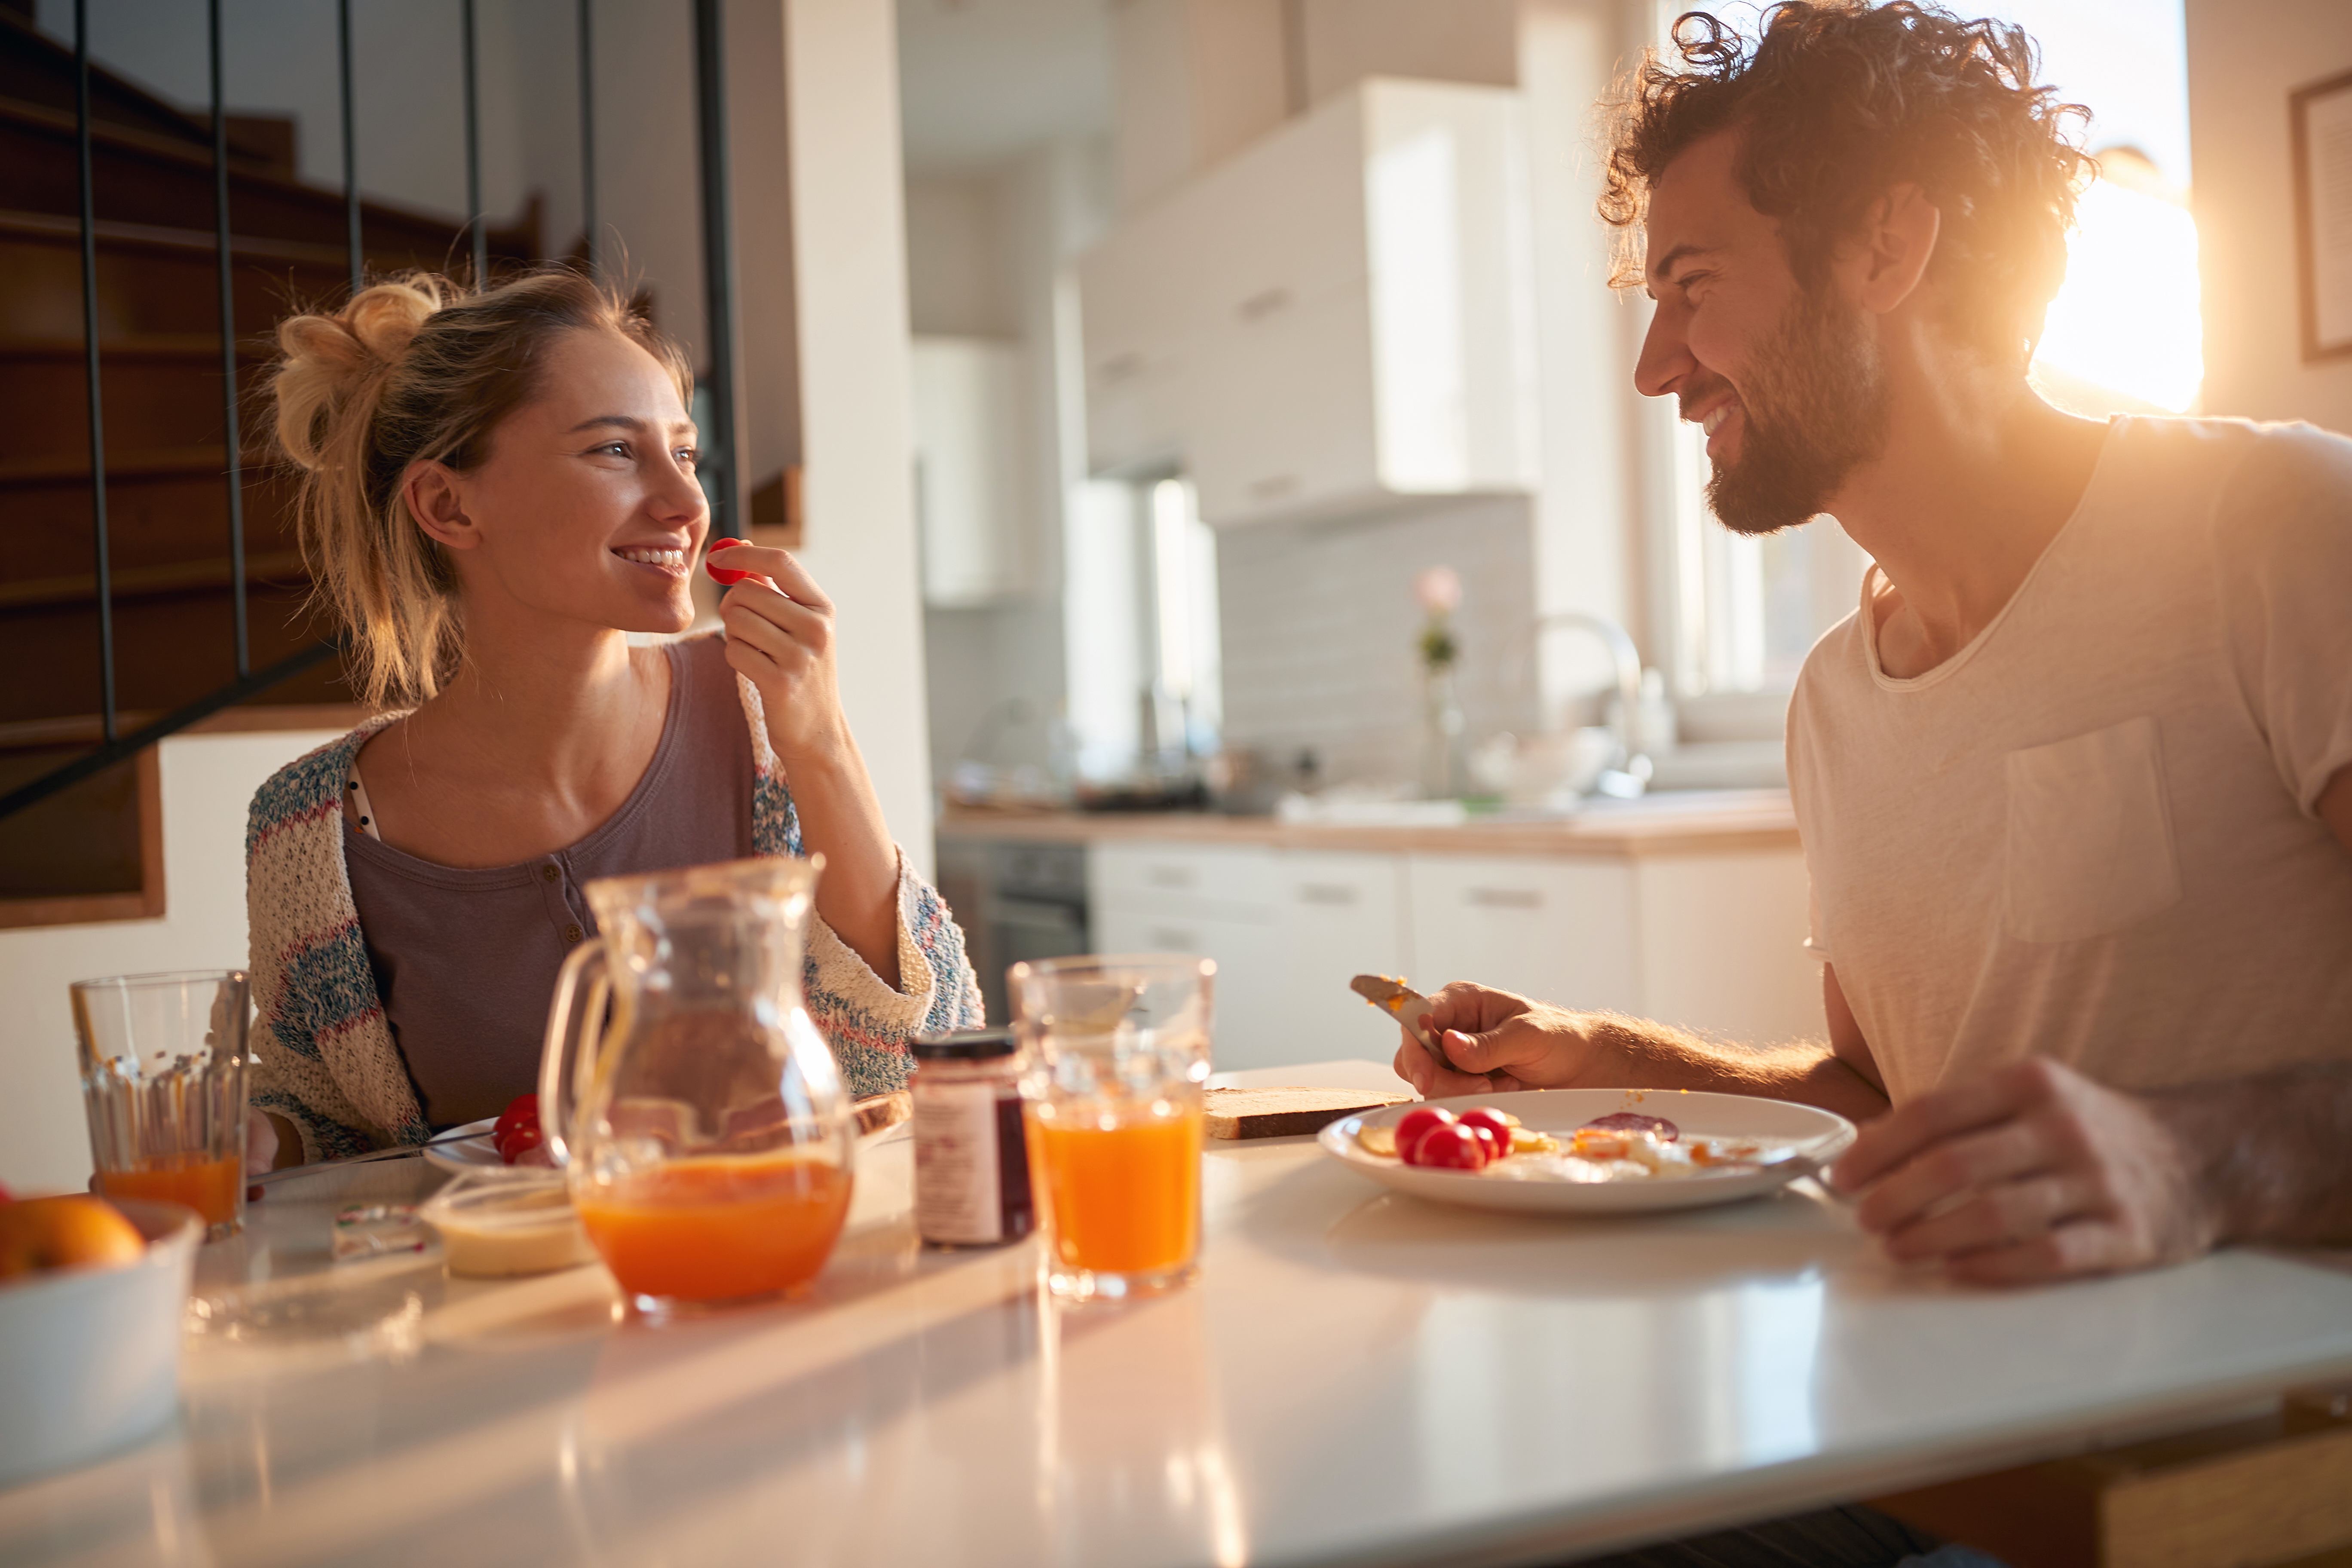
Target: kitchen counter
1358 1379
1675 823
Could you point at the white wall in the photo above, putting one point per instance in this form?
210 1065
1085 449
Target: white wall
1196 80
987 254
2245 57
208 781
843 177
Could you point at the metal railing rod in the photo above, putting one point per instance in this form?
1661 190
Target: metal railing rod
350 140
90 344
116 750
588 129
717 262
474 220
228 354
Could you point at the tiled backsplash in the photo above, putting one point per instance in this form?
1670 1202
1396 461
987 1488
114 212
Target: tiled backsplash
1320 631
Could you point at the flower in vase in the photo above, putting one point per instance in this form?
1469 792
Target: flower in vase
1439 590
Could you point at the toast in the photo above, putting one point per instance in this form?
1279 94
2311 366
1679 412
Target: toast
1287 1112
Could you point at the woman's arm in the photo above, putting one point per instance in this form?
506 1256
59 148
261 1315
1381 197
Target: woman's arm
780 635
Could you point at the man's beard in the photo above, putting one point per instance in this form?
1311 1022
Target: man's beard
1814 410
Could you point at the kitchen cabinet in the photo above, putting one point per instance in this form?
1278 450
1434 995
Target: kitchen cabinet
1337 916
1215 902
973 502
1563 931
1722 945
1709 939
1336 318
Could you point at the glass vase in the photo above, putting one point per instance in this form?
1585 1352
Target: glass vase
1442 763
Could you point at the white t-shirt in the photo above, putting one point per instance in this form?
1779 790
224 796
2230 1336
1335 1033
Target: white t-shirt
2090 834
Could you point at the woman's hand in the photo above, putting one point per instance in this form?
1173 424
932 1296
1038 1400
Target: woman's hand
779 633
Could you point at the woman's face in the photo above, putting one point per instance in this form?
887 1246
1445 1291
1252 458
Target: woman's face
586 506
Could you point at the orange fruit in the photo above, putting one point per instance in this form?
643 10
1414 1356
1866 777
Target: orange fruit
58 1233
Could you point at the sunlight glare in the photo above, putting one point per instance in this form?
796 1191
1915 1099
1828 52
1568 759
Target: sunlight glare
2127 318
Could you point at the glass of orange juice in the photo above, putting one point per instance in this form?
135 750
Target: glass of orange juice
163 1080
1118 1048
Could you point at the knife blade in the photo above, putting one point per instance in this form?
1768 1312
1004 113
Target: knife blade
1410 1008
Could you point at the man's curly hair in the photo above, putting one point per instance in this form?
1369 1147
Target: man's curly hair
1837 102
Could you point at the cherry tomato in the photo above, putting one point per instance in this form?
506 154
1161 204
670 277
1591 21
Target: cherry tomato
1451 1147
1496 1145
721 574
6 1196
520 1142
1416 1123
1494 1121
522 1108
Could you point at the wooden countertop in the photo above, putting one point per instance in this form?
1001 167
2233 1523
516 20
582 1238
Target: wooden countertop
1683 823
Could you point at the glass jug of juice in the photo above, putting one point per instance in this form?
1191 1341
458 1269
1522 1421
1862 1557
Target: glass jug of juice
695 1109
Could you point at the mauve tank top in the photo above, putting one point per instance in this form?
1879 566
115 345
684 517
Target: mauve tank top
464 960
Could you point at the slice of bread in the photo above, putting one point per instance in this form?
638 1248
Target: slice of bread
1288 1112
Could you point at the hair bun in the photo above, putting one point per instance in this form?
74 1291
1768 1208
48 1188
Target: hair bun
386 318
333 363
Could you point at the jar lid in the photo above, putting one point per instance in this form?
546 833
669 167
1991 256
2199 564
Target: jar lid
963 1044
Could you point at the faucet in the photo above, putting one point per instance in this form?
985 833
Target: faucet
1632 776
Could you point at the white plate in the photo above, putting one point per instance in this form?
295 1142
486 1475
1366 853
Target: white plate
1820 1135
467 1153
469 1145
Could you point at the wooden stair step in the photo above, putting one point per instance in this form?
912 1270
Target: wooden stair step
128 582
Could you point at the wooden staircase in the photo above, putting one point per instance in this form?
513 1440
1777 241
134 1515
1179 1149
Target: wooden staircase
166 458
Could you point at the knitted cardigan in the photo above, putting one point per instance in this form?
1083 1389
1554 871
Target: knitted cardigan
327 1060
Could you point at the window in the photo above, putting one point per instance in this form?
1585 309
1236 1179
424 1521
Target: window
1146 689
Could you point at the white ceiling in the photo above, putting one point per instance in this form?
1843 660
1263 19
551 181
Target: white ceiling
979 80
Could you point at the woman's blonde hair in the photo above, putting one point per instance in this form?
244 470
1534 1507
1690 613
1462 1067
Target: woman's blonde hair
416 366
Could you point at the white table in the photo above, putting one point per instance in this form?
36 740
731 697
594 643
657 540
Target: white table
1358 1378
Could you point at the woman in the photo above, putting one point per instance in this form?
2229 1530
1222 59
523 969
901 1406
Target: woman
498 488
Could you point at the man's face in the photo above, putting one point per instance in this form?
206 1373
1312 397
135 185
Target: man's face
1787 381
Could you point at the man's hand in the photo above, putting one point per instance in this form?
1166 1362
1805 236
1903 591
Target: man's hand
1495 1042
2033 1172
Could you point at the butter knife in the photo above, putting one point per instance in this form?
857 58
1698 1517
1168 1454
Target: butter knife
1409 1007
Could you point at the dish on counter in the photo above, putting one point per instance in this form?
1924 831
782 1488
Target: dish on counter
1724 1147
517 1220
472 1147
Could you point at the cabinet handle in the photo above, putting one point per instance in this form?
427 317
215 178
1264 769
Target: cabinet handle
1279 485
1168 876
1259 306
1504 898
1326 893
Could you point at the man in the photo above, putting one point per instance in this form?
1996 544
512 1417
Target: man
2075 782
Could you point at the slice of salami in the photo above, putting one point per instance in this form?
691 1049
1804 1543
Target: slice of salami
1634 1121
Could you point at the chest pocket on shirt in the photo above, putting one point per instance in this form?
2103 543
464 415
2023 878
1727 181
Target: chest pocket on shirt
2090 834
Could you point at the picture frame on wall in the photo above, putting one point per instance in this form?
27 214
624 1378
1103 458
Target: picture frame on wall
2320 118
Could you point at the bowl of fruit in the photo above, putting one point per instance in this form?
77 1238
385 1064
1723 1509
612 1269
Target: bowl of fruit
91 1293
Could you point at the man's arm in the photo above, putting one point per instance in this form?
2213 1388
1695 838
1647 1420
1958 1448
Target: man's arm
1532 1045
2036 1173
